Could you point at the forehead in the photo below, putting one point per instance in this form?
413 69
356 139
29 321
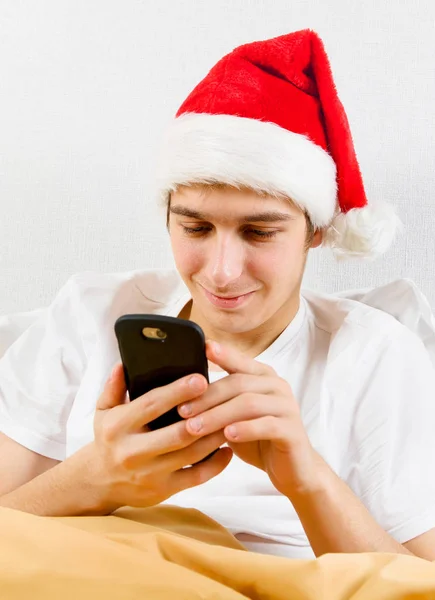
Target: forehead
224 202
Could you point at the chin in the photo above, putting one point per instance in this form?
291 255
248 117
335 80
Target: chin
232 322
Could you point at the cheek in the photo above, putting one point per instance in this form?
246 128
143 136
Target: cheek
278 260
186 254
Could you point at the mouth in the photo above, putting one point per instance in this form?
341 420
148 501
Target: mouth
227 301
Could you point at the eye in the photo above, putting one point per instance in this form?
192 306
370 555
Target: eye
261 233
201 230
195 231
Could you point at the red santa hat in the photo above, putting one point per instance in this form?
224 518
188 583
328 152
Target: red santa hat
267 117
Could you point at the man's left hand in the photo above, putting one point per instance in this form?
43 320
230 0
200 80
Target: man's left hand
260 418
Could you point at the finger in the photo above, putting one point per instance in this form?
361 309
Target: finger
266 428
114 390
174 449
158 401
241 408
195 452
229 387
202 472
158 442
234 361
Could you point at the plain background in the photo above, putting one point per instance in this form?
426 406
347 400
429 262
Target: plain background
87 87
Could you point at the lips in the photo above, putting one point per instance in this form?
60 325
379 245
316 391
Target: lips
227 301
227 297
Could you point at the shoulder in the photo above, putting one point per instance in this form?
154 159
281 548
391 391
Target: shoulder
368 347
128 291
351 321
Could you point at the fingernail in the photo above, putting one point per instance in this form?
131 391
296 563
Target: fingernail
195 424
193 381
217 347
232 431
185 410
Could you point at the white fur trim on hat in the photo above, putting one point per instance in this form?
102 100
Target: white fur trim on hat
242 152
365 232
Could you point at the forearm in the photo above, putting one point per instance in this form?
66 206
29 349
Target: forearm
335 520
65 490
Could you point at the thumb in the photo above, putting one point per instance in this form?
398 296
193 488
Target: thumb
114 390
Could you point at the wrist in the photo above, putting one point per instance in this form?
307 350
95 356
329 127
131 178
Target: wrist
315 482
91 494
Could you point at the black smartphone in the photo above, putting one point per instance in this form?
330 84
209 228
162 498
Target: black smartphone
157 350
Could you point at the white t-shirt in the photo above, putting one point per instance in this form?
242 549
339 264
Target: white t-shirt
364 382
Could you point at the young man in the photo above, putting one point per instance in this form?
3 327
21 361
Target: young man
322 407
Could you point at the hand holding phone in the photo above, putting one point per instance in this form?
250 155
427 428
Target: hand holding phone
127 464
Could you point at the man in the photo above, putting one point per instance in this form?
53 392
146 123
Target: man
322 407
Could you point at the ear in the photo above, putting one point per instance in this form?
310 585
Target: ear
317 238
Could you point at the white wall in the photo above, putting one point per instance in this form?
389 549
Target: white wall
88 85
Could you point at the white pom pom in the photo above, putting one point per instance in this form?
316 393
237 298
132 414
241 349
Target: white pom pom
363 232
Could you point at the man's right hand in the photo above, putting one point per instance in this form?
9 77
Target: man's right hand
128 464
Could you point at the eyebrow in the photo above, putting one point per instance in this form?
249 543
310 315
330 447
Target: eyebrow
263 217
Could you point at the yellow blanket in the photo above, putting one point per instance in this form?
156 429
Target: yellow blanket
173 553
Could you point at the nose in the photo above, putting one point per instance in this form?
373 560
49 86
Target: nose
225 260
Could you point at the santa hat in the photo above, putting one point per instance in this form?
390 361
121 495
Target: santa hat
267 117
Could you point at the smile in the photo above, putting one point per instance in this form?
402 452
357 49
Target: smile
227 301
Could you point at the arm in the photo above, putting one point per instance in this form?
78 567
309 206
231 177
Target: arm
43 486
386 497
120 467
390 482
354 529
335 520
19 465
40 485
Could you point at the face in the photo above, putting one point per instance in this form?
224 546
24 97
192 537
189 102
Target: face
241 255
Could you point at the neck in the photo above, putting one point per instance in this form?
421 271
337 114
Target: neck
252 342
